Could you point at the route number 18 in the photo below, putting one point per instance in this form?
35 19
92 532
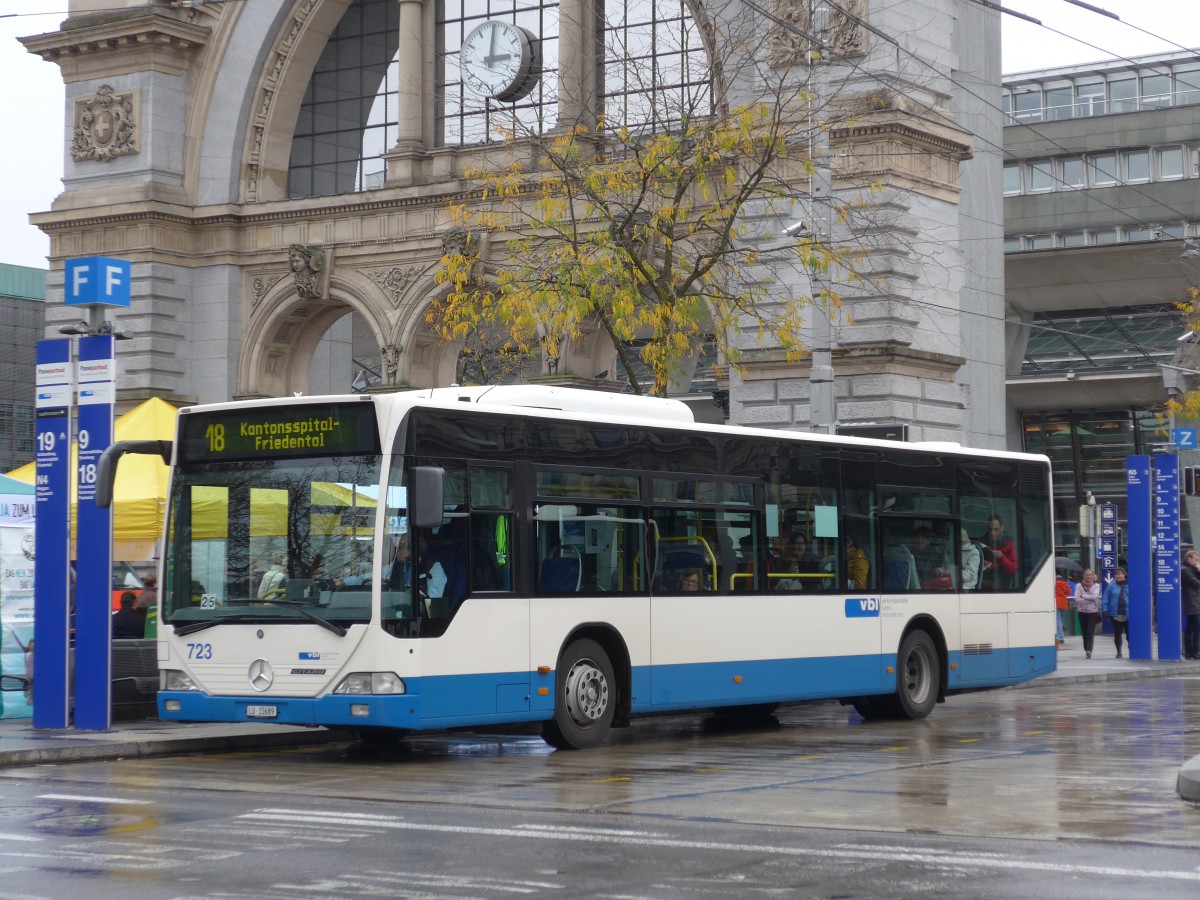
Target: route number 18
216 438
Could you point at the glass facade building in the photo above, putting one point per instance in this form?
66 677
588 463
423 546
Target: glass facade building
23 317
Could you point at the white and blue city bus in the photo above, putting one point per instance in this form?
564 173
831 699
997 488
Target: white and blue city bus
466 557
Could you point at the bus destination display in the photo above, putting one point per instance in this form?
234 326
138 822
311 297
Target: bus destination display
283 431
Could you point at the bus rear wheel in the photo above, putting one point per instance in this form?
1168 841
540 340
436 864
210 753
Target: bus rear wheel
585 698
918 676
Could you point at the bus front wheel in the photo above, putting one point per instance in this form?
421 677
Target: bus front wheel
585 698
918 676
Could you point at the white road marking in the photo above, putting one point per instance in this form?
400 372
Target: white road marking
930 857
118 801
18 837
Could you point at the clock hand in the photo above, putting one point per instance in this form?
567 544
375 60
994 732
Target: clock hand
491 57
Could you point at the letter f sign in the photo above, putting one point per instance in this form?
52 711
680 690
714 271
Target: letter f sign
97 281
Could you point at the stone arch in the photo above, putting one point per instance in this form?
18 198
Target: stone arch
426 360
283 333
284 78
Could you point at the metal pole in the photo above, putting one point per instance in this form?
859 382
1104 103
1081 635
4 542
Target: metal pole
822 401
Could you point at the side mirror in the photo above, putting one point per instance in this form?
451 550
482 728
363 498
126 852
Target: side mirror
426 496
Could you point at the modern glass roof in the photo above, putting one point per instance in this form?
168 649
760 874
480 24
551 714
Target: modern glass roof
1119 339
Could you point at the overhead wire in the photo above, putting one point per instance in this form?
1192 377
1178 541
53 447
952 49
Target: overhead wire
788 26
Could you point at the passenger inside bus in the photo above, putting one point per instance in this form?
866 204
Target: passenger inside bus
1000 555
691 581
932 561
274 579
858 566
798 560
442 567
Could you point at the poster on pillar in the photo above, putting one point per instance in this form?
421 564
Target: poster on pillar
16 613
93 613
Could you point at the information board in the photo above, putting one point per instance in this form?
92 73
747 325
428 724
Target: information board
51 620
93 606
1140 578
1166 557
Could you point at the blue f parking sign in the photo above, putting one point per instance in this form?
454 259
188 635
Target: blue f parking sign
95 280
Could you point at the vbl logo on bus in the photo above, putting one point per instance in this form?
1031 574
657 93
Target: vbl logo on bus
862 608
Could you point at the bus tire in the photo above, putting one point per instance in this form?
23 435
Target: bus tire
585 698
918 676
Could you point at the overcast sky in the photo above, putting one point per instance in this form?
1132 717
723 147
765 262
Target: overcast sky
31 155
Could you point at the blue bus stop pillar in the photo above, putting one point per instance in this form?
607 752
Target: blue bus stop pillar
52 535
1139 576
1166 556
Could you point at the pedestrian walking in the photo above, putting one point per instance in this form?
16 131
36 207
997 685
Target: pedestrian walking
1116 606
1087 604
1189 582
1062 600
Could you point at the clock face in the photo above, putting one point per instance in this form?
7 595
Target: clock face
499 60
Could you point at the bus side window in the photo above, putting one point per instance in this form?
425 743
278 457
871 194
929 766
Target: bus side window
491 565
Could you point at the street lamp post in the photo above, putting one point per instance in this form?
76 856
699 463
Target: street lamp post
822 399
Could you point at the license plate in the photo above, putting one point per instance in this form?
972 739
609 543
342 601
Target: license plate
262 712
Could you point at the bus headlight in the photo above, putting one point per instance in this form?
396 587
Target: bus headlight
174 680
371 683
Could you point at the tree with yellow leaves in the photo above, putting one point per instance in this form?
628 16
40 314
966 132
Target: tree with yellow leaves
637 233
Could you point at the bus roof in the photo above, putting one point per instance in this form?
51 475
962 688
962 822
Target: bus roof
588 404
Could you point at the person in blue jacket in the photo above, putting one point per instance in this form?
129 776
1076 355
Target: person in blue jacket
1115 606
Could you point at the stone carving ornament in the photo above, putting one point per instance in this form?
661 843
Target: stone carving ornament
389 355
846 37
307 265
395 280
105 126
260 286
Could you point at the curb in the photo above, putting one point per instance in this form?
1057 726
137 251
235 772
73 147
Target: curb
181 746
1163 671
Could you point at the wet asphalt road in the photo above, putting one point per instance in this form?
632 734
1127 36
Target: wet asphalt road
1063 791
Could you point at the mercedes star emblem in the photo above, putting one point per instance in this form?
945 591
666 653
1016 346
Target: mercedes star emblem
261 675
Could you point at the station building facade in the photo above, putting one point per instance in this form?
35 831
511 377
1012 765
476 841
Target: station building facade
1101 219
278 172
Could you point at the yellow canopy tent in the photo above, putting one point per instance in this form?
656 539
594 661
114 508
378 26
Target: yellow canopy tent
140 491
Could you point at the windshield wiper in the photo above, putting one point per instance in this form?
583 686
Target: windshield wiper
243 617
299 607
209 623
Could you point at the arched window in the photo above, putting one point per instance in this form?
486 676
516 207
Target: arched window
654 68
465 118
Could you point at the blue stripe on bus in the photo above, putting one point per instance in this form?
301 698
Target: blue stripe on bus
492 699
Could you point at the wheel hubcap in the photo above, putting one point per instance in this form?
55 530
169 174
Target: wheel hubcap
587 692
917 676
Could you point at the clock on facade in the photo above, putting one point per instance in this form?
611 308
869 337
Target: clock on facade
500 60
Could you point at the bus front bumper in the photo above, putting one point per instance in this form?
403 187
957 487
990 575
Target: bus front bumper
342 710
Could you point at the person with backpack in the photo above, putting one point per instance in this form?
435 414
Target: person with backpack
1062 600
1116 606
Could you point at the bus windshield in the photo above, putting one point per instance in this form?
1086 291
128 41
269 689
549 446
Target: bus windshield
274 540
